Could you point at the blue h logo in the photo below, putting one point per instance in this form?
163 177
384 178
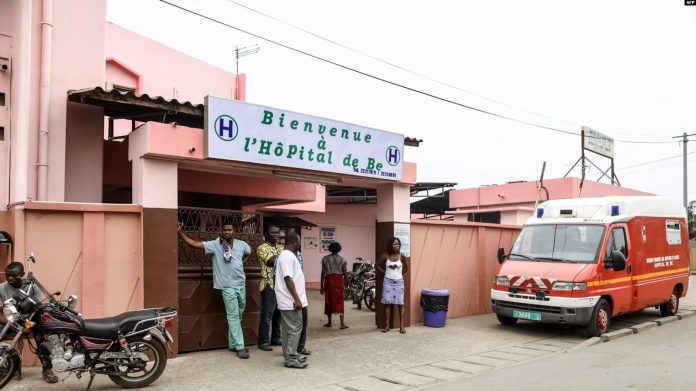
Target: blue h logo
226 128
393 155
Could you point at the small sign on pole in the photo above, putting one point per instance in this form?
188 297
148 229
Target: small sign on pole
598 143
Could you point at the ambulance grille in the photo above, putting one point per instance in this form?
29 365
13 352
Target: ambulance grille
529 307
527 297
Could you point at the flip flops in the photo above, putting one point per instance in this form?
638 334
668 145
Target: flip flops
49 376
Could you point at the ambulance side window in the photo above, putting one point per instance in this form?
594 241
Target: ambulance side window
673 232
617 241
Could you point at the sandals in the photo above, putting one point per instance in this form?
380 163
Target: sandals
49 376
402 331
305 351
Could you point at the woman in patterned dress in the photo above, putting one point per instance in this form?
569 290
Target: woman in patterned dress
394 265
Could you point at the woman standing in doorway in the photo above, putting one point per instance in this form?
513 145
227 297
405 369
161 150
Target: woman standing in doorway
394 265
333 273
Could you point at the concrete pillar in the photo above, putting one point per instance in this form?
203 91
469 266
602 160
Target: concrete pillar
155 187
393 219
93 265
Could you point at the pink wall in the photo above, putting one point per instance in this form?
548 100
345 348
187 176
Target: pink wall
355 230
165 71
525 192
318 205
93 251
77 61
459 257
78 258
5 50
83 168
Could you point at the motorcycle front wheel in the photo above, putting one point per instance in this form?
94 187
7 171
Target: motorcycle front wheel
146 368
8 369
370 298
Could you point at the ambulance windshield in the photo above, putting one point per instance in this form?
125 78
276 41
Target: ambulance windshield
573 243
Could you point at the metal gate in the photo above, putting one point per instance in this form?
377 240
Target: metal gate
202 316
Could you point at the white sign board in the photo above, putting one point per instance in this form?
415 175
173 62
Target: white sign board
246 132
403 233
598 143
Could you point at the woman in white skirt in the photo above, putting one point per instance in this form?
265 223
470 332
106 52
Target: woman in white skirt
394 265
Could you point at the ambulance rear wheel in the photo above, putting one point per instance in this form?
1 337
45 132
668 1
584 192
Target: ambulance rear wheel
600 320
506 320
671 307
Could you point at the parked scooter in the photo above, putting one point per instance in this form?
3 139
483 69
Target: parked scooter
361 284
129 348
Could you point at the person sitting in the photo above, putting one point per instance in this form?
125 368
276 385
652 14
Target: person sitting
14 273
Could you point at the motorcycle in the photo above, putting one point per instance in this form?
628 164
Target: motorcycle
361 284
129 348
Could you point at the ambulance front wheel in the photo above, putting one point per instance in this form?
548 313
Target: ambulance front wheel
506 320
671 307
600 320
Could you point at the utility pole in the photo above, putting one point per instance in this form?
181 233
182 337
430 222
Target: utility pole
239 53
685 139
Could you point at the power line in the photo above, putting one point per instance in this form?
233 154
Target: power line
654 161
395 84
398 66
420 74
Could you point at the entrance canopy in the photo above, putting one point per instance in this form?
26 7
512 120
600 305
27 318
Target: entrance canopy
125 104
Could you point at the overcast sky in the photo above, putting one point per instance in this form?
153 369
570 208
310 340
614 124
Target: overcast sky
626 68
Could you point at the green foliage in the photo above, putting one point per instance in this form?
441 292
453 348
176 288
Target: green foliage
691 218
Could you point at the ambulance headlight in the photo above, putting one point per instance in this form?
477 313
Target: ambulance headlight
502 280
569 286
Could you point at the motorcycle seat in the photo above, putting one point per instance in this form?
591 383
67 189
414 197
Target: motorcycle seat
108 328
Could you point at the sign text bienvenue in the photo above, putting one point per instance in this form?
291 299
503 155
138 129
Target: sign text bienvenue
250 133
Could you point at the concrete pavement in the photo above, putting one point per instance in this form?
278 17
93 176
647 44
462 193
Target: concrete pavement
661 358
362 358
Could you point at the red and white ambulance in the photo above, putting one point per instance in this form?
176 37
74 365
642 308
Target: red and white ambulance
583 261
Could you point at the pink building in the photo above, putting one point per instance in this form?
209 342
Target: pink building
513 203
103 149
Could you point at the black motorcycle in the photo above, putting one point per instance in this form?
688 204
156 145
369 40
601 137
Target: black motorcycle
360 285
129 348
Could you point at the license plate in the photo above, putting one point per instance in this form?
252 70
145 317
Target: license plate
526 315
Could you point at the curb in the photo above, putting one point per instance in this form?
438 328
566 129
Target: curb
643 326
665 320
686 315
615 334
630 331
587 343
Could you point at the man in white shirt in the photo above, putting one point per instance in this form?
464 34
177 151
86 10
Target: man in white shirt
291 298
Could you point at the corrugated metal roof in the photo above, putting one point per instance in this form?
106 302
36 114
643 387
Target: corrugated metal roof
119 104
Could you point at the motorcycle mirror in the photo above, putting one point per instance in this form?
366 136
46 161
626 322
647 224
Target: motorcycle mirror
56 293
72 302
31 257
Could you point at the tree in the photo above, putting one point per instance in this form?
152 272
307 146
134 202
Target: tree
691 218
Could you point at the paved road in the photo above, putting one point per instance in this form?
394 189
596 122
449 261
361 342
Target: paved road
361 358
661 358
